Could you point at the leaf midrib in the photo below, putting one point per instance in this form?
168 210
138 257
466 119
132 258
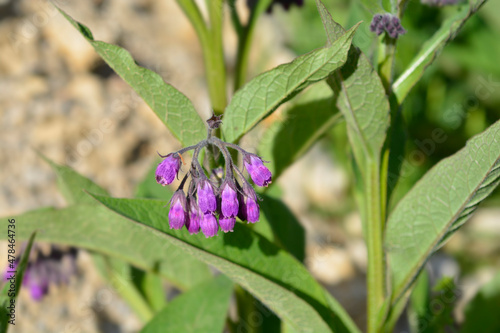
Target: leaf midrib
294 87
404 284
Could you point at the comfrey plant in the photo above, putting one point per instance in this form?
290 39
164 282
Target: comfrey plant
357 94
205 201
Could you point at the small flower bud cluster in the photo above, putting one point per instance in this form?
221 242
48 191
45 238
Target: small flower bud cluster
215 202
43 270
439 3
388 23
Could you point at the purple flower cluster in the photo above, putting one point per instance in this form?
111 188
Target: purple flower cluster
439 3
45 269
221 198
388 23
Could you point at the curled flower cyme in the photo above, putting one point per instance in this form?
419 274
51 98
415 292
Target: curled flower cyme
213 201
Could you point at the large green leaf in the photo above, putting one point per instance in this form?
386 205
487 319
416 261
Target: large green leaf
96 228
266 92
268 272
201 309
72 185
433 47
173 108
303 123
285 229
440 203
361 99
479 312
11 289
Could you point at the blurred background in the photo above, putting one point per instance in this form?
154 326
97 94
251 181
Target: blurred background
58 97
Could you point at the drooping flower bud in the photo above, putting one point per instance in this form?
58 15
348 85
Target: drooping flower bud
177 214
194 216
229 199
249 208
209 225
227 223
206 197
168 169
259 173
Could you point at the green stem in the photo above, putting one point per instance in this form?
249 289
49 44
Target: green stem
386 57
374 232
211 44
246 307
214 57
129 293
245 37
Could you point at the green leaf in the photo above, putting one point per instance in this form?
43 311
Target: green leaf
96 228
120 276
263 94
8 296
72 185
272 275
364 104
432 48
479 312
303 123
285 228
173 108
439 204
201 309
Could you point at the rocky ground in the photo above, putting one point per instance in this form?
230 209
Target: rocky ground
57 97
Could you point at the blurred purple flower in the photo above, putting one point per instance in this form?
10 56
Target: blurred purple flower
55 268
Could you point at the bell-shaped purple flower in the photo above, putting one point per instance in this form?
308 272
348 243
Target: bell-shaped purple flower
209 225
249 208
206 197
168 169
259 173
229 199
227 223
194 216
177 214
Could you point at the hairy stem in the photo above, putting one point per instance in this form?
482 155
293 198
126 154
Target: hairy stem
374 240
245 35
